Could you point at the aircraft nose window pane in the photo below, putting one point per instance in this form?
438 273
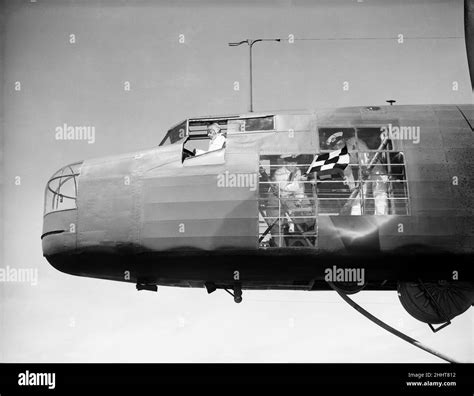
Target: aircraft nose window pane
61 189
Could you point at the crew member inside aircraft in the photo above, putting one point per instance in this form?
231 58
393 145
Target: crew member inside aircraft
376 180
287 196
217 137
289 178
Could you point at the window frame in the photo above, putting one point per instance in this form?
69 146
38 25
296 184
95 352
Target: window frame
168 136
398 148
199 137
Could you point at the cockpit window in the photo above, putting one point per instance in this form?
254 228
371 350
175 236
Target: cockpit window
204 138
195 146
175 134
252 124
199 127
259 124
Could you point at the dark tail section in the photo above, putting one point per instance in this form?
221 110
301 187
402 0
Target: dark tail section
469 35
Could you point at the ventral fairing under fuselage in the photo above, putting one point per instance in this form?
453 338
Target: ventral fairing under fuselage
278 203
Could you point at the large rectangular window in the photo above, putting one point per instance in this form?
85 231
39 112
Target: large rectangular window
287 202
374 182
291 199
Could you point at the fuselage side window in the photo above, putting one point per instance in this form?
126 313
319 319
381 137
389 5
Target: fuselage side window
374 181
287 204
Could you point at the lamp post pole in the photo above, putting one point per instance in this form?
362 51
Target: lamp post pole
250 43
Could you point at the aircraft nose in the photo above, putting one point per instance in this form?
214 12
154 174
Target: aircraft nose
60 211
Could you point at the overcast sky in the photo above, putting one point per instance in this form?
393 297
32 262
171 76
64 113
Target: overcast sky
66 318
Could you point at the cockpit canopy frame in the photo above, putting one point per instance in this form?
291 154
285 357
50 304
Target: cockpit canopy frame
229 124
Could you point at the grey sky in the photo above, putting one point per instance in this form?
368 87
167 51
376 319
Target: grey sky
66 318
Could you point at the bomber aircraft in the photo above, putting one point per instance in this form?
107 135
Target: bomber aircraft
368 198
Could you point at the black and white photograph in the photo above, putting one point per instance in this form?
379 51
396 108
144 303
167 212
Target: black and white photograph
237 182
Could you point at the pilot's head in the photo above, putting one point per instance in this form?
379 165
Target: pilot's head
213 130
335 141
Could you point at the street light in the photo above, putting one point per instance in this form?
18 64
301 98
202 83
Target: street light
250 43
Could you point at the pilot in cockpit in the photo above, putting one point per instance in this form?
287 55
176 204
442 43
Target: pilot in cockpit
218 139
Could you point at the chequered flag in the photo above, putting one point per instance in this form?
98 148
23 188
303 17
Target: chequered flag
338 159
